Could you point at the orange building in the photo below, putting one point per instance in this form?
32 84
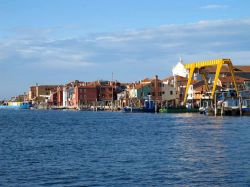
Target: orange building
41 91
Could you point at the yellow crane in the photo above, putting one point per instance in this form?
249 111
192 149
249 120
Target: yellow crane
201 65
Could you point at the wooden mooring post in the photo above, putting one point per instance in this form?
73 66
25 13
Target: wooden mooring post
215 104
240 104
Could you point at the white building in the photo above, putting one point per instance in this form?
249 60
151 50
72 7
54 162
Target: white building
179 69
191 93
133 92
65 97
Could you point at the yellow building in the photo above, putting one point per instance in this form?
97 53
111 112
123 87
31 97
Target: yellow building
41 91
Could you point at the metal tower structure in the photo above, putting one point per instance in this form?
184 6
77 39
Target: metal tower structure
201 65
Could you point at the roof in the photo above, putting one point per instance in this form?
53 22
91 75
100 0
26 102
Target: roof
87 86
50 86
138 86
135 86
179 78
146 80
224 69
229 79
243 68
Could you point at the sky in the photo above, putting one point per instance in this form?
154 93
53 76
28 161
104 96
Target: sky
58 41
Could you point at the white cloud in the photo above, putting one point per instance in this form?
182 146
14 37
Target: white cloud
214 6
42 52
154 49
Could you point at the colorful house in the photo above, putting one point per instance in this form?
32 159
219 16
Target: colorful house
76 94
41 93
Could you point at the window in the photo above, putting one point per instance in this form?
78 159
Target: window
159 93
171 92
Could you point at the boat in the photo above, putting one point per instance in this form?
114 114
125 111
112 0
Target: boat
149 106
179 110
227 103
16 105
138 110
231 107
205 103
246 107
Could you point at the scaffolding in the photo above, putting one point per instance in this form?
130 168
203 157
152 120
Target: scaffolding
200 67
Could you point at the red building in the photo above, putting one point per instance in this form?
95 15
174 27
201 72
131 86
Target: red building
105 93
107 90
80 93
85 94
59 96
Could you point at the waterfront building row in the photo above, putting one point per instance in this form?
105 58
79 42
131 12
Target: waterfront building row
164 92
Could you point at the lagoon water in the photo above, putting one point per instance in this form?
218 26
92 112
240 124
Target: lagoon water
74 148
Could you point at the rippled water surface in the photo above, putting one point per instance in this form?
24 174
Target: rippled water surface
67 148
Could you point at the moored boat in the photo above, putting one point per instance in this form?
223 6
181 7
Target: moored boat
137 110
149 106
179 110
16 105
246 107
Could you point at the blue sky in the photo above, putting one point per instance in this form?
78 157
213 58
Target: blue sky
56 41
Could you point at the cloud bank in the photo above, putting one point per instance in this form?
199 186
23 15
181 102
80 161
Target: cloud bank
214 6
131 54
